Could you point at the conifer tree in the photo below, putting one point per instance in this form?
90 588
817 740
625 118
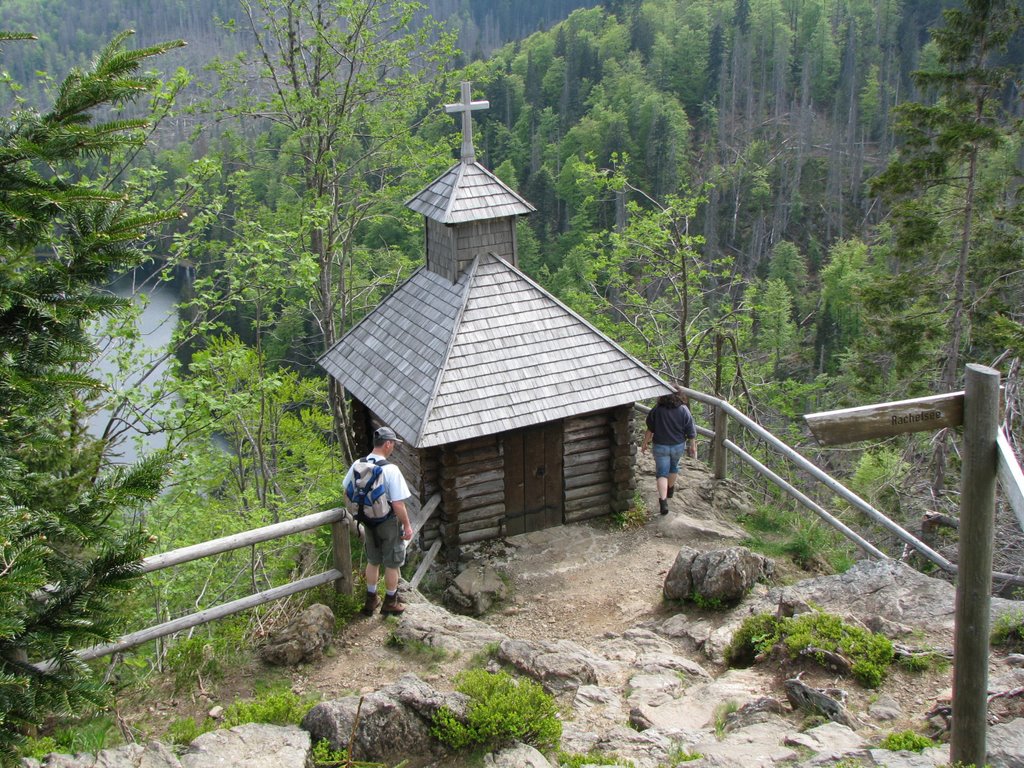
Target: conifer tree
936 181
68 544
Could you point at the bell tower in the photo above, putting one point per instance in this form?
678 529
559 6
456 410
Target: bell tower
469 210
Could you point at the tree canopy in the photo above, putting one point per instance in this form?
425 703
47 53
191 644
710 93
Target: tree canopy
69 540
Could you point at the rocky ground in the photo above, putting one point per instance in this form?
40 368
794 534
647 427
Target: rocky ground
643 678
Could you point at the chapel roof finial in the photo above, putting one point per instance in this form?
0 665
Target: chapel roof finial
466 106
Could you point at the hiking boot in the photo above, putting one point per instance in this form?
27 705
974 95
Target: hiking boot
664 506
372 601
392 606
671 491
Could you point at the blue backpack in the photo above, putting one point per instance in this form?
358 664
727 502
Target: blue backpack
366 490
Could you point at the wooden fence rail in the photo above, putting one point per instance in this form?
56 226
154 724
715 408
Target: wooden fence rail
343 526
1010 474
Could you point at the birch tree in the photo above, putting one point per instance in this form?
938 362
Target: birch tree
349 81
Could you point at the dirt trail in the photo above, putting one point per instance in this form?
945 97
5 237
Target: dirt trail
575 582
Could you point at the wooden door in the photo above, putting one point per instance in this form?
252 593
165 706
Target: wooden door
533 478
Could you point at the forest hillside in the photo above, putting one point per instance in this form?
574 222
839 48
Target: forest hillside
795 206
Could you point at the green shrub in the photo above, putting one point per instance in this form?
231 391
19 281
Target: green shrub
707 603
276 707
1008 630
635 516
323 756
200 658
577 760
193 659
501 710
906 741
870 654
756 635
90 733
922 662
186 730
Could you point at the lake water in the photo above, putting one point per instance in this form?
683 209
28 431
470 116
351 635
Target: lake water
146 365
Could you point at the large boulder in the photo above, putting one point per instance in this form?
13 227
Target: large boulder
153 755
1005 743
516 756
434 626
722 575
386 726
301 640
255 745
560 666
884 595
475 590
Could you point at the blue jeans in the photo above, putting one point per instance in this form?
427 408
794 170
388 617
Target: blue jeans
666 459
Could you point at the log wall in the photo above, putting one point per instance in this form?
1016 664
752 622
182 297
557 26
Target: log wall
598 476
472 482
598 464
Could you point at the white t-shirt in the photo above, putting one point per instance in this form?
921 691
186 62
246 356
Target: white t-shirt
394 483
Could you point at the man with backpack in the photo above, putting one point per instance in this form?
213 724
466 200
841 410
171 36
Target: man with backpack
379 490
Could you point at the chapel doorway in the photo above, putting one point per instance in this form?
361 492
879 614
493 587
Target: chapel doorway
533 478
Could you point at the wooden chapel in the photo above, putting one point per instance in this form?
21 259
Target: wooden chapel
513 408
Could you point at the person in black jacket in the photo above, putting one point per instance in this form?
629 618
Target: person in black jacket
670 425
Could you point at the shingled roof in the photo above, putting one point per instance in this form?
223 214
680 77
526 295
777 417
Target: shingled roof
442 362
468 192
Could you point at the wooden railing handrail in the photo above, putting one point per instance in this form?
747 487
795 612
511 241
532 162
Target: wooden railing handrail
239 540
823 477
1014 484
1010 476
342 525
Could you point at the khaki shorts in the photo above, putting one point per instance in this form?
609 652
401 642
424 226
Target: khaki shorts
384 545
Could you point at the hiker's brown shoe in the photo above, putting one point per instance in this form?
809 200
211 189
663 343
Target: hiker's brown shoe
392 606
663 506
372 601
671 491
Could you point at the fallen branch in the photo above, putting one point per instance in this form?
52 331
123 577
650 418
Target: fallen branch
832 661
802 696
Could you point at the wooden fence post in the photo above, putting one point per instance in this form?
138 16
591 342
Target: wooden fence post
342 545
718 449
974 584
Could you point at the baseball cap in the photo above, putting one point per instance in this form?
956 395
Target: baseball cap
385 433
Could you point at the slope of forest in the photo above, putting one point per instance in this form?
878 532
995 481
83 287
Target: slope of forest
71 32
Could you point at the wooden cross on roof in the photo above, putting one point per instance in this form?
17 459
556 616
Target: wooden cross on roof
466 106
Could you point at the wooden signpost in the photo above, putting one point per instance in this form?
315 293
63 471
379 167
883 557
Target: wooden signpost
866 422
977 410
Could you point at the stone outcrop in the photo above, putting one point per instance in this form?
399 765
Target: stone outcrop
432 625
475 591
722 576
385 726
559 666
302 640
253 745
